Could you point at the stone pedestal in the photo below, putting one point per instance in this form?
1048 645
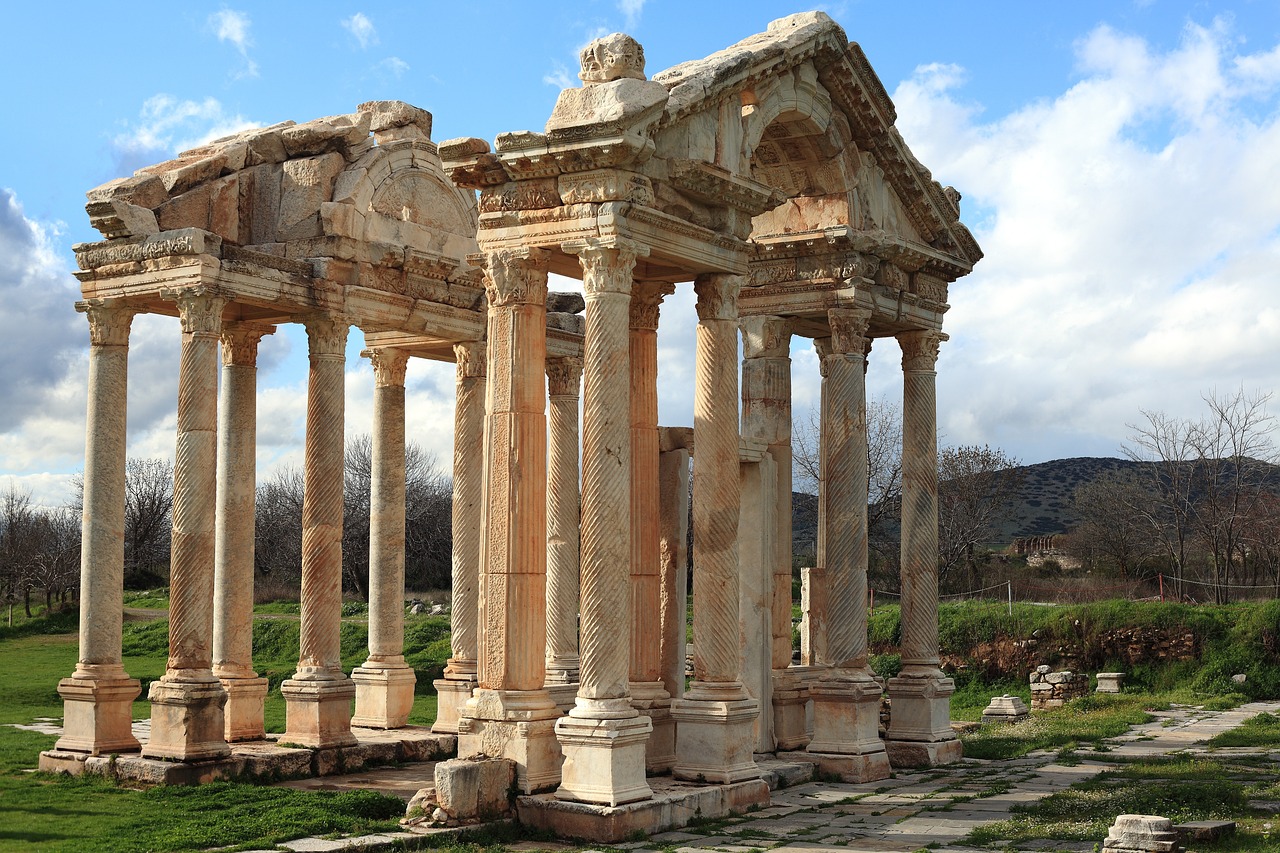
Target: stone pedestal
97 714
243 713
790 705
514 724
451 697
1110 682
318 712
920 722
1005 709
1136 833
384 696
602 755
846 718
187 720
714 739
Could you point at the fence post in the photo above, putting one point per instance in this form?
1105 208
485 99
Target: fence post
1010 585
1161 576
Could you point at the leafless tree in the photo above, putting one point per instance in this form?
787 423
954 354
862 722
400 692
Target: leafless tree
56 568
278 531
17 547
1114 512
148 503
975 485
1165 445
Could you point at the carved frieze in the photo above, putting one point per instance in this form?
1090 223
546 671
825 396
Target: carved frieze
605 185
536 194
892 276
184 241
929 287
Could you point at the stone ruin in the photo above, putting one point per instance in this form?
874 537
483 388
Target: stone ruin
1054 689
768 175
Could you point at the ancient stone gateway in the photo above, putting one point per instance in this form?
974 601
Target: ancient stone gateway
770 176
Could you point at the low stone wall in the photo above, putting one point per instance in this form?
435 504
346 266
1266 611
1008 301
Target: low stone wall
1055 689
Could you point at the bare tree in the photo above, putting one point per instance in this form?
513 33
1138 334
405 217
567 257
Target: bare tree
56 561
1166 446
17 547
974 489
148 502
1114 512
278 530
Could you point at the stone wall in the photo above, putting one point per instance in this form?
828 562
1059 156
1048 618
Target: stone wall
1055 689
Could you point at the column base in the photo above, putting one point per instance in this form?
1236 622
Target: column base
563 695
451 697
514 724
97 714
187 720
604 759
920 721
790 701
714 738
652 700
318 712
384 695
244 711
871 767
846 716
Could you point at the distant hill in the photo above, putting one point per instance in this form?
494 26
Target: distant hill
1041 507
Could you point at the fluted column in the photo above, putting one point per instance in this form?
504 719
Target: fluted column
846 699
648 693
920 731
384 682
603 737
813 638
459 680
187 703
318 696
511 715
98 697
564 381
234 531
714 719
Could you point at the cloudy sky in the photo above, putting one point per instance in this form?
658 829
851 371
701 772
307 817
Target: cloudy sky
1120 165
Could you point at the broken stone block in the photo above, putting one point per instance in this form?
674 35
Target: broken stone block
1110 682
1005 709
470 789
1134 833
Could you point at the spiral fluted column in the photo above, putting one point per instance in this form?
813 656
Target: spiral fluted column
714 719
454 689
318 696
98 697
234 546
603 737
564 381
511 715
187 702
384 682
813 635
920 730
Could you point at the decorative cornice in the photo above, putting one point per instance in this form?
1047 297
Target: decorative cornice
516 276
240 343
389 366
564 377
718 296
765 336
849 330
607 264
920 349
109 322
471 359
646 303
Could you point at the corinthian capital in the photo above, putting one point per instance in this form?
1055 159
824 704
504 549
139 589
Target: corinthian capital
849 330
240 343
646 302
718 295
470 357
200 309
389 365
564 376
822 346
607 264
327 336
920 349
765 337
109 322
516 276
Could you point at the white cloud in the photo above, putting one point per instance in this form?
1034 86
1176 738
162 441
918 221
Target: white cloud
631 10
361 29
233 27
559 77
167 125
1131 241
393 65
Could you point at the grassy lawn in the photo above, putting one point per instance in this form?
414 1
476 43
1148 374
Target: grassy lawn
1089 720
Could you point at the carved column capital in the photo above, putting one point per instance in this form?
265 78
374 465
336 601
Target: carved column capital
823 347
920 349
389 365
849 330
765 337
564 376
471 359
607 264
646 302
718 295
327 337
516 276
199 308
109 322
240 343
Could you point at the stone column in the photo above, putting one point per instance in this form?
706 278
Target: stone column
564 379
603 736
846 699
674 444
766 417
318 696
649 694
920 726
187 703
813 648
384 682
758 478
234 531
98 697
714 719
511 715
459 680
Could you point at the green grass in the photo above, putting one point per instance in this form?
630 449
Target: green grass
1260 731
1089 720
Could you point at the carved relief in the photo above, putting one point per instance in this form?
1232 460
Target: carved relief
471 359
765 337
646 303
327 337
892 276
606 265
929 287
516 277
920 349
605 185
389 366
612 58
240 343
536 194
108 324
718 296
849 330
564 377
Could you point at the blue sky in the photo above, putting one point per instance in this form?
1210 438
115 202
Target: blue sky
1119 163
